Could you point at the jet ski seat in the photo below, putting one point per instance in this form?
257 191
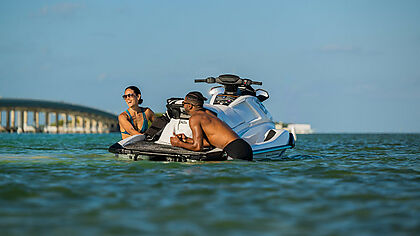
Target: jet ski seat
175 110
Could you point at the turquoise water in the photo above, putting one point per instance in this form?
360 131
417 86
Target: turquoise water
336 184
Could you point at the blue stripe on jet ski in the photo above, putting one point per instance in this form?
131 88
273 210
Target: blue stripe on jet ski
271 149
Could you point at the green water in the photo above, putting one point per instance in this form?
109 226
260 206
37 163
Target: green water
337 184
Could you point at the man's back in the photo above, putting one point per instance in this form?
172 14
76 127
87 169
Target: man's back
217 132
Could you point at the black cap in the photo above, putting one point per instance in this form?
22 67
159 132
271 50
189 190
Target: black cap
197 97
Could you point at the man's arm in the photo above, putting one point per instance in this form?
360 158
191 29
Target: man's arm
186 139
197 139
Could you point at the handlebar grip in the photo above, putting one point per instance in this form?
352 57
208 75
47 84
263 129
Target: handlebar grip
200 81
256 83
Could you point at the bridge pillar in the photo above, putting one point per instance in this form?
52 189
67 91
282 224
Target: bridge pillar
94 126
47 121
12 121
21 128
2 128
36 121
18 121
88 125
65 122
73 123
8 120
100 127
80 125
84 124
56 123
25 121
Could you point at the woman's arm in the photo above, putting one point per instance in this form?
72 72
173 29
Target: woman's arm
126 125
150 115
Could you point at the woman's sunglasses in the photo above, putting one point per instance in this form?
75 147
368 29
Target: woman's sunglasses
128 95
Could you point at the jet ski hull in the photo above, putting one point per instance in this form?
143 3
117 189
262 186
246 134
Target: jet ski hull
148 150
152 151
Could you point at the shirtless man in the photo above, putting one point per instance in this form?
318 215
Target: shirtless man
208 130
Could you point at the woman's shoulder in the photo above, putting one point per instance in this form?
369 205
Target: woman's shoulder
146 110
123 114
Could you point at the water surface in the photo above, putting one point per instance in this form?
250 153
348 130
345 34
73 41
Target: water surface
330 184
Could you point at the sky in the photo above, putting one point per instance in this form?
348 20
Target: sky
341 66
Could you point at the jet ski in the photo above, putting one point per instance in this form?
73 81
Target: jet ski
235 102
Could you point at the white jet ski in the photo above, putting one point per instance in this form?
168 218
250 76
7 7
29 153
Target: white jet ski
235 102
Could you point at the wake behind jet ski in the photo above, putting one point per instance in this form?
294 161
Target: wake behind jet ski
235 102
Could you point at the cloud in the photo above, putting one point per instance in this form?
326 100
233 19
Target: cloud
336 48
59 9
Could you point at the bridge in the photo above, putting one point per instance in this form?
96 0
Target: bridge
38 116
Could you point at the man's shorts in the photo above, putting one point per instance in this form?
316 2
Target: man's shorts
239 149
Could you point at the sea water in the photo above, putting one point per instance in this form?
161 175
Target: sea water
330 184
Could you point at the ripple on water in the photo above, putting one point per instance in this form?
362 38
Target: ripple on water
329 184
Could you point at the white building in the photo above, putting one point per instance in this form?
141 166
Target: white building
300 128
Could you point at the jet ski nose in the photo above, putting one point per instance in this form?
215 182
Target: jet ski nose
115 148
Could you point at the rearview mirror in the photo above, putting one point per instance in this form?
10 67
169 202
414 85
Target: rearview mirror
216 90
261 94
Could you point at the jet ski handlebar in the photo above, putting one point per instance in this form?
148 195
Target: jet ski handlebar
228 80
200 81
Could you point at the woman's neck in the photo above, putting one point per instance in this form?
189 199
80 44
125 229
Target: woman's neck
135 109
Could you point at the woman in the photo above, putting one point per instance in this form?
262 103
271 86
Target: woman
135 119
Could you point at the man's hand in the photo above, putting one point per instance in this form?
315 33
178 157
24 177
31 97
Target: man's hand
182 137
175 141
178 138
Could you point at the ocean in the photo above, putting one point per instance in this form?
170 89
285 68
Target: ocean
329 184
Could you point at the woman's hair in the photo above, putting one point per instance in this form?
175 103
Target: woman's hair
136 91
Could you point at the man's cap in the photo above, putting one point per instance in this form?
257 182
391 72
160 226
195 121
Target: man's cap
196 95
196 98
